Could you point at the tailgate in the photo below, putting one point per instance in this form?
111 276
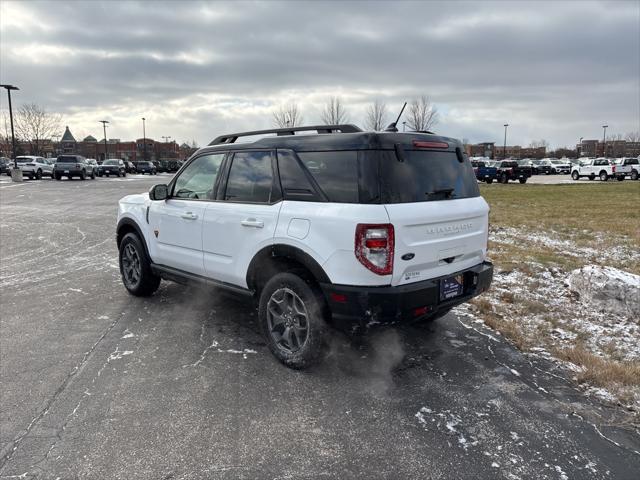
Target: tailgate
443 236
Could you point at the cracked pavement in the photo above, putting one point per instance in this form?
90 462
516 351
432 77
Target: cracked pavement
99 384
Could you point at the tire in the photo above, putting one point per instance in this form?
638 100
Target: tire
504 178
93 174
592 177
83 175
57 177
620 178
489 181
575 175
634 175
118 174
603 176
39 175
124 174
522 180
554 172
287 304
135 267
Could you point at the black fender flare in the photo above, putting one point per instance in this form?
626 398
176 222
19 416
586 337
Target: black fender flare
287 252
127 224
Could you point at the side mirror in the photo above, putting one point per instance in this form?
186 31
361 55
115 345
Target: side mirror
159 192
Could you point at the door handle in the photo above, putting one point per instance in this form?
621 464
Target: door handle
252 222
189 216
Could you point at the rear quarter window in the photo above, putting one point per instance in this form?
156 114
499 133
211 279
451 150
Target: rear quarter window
336 173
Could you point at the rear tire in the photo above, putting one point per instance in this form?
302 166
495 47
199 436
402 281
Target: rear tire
93 174
135 267
83 175
489 181
620 178
504 178
292 315
39 175
592 177
522 180
57 177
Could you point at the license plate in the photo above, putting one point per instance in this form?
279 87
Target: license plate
451 287
66 171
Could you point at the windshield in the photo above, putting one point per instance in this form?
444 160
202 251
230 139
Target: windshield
66 159
24 159
110 162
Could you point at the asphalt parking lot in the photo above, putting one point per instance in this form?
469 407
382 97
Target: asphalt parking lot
96 383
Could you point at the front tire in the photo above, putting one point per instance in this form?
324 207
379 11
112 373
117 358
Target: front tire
604 177
620 178
489 181
135 267
292 316
83 175
504 178
39 175
522 180
93 174
634 175
575 175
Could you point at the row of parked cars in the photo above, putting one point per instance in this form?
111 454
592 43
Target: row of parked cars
603 168
72 165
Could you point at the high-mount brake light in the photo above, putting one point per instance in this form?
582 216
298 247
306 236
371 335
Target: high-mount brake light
421 144
374 246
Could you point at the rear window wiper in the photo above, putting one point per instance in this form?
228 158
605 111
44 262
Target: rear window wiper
447 192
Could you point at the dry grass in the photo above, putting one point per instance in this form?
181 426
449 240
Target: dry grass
600 371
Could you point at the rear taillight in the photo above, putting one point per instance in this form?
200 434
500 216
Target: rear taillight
419 144
374 247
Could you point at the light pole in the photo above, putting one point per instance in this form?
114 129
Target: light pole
404 127
144 140
604 139
579 149
13 137
104 127
504 150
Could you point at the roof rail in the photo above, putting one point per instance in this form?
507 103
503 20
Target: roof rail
232 137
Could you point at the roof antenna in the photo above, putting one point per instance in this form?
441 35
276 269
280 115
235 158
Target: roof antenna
392 126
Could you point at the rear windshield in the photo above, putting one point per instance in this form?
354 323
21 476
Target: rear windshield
477 164
23 160
509 164
426 176
111 162
66 159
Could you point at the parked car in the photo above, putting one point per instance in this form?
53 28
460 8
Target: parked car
331 229
633 163
34 167
130 167
601 168
5 165
146 167
112 167
484 173
544 166
511 170
71 165
561 166
93 162
527 162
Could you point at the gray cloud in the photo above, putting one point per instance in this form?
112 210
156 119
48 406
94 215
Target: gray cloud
552 70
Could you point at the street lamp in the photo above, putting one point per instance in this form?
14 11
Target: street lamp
13 137
579 149
604 138
144 140
104 127
504 150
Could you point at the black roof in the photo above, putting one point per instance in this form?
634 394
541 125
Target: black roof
358 140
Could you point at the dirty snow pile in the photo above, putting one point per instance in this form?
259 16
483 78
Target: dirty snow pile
593 308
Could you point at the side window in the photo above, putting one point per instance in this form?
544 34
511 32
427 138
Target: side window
198 179
295 184
250 178
335 172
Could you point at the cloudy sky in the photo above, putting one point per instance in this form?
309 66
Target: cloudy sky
554 70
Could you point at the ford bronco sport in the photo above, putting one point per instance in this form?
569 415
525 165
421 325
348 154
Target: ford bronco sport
339 228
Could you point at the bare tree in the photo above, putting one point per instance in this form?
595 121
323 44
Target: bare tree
615 137
539 143
423 114
34 125
376 117
633 136
334 112
287 116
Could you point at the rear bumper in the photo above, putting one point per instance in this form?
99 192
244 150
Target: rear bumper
362 306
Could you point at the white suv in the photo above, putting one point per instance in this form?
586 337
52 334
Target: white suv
343 228
35 167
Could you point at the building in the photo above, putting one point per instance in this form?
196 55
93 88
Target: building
493 151
68 143
612 148
486 149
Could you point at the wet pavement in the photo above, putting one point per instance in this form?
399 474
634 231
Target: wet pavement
96 383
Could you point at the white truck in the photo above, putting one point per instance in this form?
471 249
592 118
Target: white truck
601 168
